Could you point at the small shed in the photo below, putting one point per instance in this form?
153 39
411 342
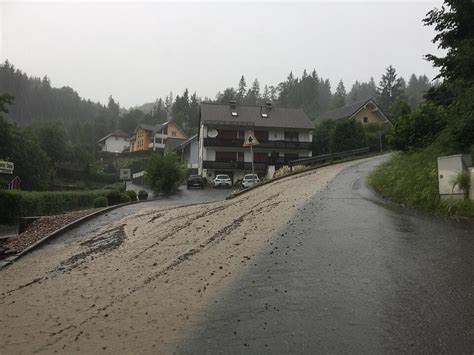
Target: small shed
10 181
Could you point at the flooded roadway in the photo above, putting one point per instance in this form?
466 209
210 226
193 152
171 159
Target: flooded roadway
351 273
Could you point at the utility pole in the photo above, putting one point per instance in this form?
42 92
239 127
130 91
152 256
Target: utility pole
251 153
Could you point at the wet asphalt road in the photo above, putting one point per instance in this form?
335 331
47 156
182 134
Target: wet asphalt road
182 197
350 273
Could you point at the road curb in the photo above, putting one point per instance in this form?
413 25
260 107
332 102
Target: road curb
5 262
291 175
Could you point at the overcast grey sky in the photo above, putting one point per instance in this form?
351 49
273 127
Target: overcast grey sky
138 51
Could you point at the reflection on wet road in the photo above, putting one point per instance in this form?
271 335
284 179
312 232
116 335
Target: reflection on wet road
351 273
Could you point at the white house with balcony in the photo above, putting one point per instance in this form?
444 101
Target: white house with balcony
117 141
284 134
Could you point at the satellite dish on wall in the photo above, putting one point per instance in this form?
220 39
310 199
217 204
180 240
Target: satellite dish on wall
212 133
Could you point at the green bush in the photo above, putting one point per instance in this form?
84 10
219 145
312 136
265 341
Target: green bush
118 186
347 135
124 198
412 179
16 203
100 202
142 195
165 173
321 135
418 129
132 195
113 197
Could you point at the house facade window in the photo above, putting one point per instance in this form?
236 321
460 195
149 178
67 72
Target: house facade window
291 136
260 157
366 119
262 136
226 156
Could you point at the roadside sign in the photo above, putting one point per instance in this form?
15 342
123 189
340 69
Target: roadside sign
125 174
250 139
6 167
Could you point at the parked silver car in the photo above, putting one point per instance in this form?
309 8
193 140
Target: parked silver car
222 181
250 180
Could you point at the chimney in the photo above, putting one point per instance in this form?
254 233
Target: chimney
268 105
232 104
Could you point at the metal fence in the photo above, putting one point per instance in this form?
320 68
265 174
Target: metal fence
326 157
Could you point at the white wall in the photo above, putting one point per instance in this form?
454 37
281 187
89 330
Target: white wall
276 135
279 135
305 136
115 144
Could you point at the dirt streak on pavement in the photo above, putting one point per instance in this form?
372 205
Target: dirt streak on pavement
140 284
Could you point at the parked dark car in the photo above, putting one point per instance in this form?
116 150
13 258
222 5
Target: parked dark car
195 181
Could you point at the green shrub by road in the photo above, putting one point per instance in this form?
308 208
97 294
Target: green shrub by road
165 173
411 179
17 203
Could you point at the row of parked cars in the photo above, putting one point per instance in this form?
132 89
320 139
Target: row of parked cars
222 181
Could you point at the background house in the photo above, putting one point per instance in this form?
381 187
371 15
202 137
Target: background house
117 141
284 134
188 151
365 111
164 136
8 180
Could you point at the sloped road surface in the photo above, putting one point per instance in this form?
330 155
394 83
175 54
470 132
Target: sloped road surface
350 273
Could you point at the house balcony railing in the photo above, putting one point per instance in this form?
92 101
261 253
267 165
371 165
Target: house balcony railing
221 142
225 165
156 146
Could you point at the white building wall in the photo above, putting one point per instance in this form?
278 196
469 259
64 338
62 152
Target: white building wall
115 144
305 136
276 135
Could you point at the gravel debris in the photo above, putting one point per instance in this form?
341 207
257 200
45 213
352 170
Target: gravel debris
44 226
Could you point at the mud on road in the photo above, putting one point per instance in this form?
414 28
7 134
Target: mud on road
140 284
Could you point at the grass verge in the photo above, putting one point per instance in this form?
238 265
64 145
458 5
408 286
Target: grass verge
411 179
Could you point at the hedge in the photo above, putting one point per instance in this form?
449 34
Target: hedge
16 203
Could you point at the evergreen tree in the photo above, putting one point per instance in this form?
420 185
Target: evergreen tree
339 99
242 90
416 89
113 107
228 95
253 94
390 87
266 96
324 95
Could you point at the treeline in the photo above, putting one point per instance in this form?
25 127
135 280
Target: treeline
84 121
442 125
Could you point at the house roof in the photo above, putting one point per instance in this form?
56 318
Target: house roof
173 143
186 142
151 128
278 117
8 177
156 128
349 110
116 133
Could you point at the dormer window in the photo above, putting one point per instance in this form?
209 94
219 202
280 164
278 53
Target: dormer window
234 114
